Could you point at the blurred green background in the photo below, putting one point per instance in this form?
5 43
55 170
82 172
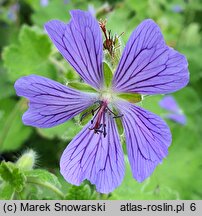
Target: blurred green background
25 49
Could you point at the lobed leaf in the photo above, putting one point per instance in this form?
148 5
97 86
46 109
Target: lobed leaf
30 55
42 176
7 191
12 175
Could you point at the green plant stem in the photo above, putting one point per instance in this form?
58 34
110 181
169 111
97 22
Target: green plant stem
47 185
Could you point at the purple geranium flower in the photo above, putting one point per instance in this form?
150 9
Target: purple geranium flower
147 66
169 103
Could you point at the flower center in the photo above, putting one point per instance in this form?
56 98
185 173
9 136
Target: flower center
99 113
107 96
99 122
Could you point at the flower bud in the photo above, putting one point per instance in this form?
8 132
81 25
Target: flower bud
27 160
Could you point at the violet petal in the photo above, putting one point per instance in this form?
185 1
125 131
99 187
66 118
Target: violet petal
148 66
169 103
51 103
95 157
80 43
177 117
147 138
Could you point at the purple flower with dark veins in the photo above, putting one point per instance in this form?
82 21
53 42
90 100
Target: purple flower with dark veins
175 113
147 67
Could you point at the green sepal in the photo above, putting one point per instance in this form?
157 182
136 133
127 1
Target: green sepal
131 97
107 75
119 125
84 117
81 86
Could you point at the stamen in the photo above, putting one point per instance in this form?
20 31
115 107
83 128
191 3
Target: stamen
83 116
98 108
111 111
100 126
97 130
104 127
118 116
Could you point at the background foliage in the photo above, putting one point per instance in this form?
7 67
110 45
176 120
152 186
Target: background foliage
30 156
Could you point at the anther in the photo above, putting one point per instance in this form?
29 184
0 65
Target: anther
104 133
98 130
118 116
100 126
83 116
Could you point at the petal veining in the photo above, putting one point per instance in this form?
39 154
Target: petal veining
50 103
148 65
147 139
95 157
80 43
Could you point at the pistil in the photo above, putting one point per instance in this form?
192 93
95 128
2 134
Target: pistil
99 116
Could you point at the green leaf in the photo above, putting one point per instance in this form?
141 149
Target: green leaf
12 131
55 9
82 192
30 55
107 75
44 179
40 175
147 190
11 174
7 192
